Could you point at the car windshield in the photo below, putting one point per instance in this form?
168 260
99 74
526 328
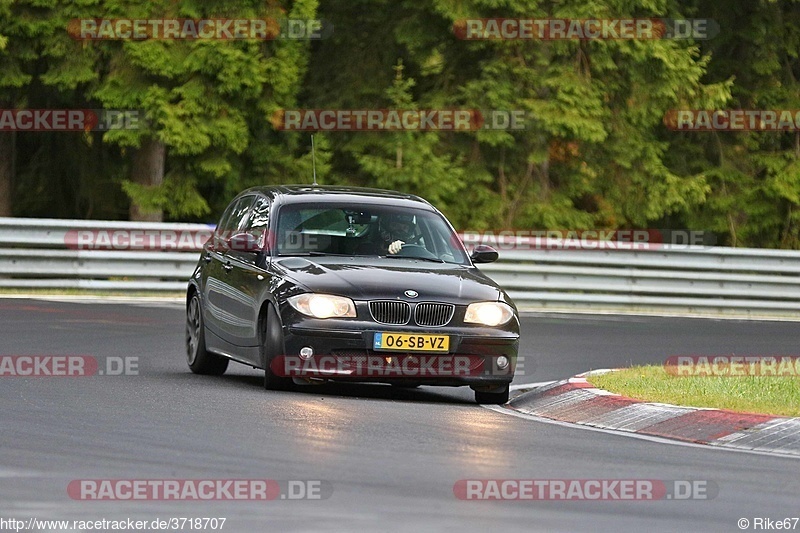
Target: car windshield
367 230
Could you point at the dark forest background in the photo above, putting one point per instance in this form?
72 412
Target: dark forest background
596 153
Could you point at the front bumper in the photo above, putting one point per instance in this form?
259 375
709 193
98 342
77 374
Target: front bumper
346 353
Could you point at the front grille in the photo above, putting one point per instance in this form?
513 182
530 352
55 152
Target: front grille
397 313
433 315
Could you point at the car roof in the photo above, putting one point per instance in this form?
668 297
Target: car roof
290 194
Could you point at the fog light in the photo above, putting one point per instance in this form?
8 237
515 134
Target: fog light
502 362
306 353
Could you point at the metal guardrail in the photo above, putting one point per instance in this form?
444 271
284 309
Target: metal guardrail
51 254
69 254
715 279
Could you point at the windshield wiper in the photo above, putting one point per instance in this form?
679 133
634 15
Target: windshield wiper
313 254
318 254
429 259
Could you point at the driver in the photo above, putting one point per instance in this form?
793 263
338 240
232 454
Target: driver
397 230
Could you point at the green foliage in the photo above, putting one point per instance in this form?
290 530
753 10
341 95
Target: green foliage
408 160
178 195
753 177
594 151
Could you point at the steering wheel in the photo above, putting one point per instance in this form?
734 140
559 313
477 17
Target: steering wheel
415 250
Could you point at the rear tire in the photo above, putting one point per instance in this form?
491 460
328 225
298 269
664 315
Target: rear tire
200 360
492 398
271 347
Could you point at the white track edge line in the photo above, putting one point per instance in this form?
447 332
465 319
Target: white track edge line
649 438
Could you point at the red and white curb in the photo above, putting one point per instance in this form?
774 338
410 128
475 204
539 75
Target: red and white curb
576 401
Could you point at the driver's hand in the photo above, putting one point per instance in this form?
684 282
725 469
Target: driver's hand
395 247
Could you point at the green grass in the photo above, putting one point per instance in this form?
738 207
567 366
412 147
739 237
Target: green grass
752 394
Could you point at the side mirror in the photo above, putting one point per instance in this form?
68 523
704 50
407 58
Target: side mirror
244 242
484 254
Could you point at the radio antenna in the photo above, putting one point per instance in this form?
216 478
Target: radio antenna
314 160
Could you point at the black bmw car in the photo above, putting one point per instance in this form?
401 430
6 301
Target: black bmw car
313 283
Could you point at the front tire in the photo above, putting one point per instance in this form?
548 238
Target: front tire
200 360
271 347
492 398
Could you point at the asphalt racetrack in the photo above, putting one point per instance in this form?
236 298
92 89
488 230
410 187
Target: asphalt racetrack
387 458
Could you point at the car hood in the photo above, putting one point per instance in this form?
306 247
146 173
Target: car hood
368 278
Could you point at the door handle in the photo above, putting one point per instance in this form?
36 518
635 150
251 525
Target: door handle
228 267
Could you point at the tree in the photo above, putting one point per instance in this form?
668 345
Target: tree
42 67
592 153
754 177
17 52
199 99
414 161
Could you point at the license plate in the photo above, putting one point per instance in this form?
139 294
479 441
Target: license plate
411 342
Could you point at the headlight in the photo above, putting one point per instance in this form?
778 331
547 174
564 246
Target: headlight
323 305
489 313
